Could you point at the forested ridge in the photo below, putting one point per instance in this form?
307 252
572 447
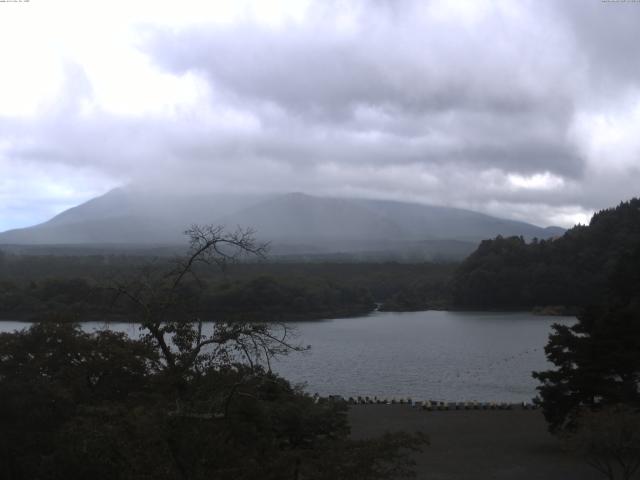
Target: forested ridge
571 271
76 288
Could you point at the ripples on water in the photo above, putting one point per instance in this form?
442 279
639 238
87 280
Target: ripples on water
452 356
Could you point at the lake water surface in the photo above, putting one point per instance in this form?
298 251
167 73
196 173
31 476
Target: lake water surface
451 356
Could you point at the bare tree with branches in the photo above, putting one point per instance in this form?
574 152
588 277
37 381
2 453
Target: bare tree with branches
166 304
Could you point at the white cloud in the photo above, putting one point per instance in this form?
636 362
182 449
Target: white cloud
609 135
538 181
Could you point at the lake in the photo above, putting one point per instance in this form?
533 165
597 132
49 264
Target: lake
438 355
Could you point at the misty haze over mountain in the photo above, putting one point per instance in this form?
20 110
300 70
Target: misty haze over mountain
293 223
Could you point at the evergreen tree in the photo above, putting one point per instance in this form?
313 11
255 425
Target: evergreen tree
598 358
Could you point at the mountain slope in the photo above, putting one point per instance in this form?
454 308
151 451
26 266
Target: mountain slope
126 216
294 223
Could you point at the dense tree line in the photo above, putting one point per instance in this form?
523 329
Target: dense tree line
74 287
570 271
263 297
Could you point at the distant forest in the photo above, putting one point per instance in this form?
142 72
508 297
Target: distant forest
45 287
571 271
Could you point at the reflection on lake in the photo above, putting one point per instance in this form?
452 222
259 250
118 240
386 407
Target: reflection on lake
452 356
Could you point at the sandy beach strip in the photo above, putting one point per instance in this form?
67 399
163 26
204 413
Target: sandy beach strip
476 444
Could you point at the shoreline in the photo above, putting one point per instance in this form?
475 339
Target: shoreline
291 318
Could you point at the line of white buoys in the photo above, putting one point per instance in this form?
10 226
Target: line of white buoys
429 405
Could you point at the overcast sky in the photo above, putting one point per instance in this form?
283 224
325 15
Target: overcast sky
522 109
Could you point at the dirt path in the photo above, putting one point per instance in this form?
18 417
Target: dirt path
476 445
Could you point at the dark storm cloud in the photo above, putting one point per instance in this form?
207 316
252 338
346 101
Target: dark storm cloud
407 83
401 67
392 90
